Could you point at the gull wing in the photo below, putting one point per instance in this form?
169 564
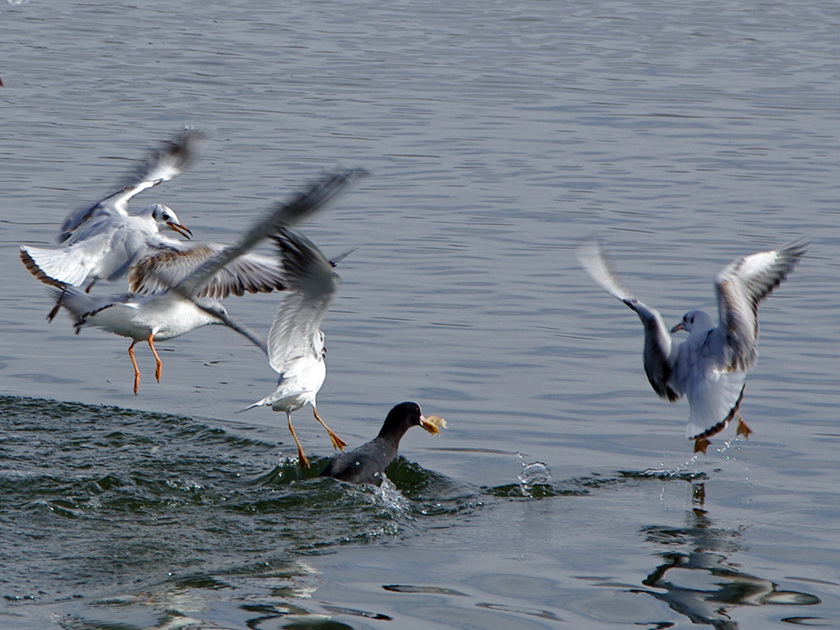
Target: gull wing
657 349
311 286
234 324
109 245
164 164
252 273
54 266
301 206
740 287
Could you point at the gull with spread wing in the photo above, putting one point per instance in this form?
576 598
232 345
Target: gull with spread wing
103 240
710 367
296 348
188 305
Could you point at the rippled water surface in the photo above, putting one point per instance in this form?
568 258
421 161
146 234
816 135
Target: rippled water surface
499 136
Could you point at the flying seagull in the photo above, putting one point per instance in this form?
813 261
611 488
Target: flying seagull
180 309
103 240
711 365
296 348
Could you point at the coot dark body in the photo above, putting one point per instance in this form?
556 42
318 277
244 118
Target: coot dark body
367 463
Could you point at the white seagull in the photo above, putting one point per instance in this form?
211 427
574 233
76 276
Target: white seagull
176 311
295 342
709 367
104 240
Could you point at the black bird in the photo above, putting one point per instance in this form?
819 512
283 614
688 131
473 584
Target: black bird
367 463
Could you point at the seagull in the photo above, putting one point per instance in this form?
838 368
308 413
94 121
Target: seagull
711 365
180 309
367 463
295 341
167 267
103 240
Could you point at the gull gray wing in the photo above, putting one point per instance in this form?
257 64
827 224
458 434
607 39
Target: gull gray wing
657 349
251 273
311 285
164 164
740 287
301 206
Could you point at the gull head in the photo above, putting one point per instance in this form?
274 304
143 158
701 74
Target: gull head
166 217
215 310
694 321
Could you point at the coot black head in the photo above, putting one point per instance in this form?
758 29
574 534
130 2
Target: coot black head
400 419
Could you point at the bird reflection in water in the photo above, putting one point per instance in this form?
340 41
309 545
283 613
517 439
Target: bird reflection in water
697 580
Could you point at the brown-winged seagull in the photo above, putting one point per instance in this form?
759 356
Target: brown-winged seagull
180 309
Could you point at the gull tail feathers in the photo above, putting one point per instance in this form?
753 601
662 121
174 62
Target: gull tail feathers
77 304
260 403
706 420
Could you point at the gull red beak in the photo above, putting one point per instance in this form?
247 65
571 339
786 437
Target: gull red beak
678 327
183 230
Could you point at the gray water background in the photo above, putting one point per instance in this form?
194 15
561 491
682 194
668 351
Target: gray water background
499 136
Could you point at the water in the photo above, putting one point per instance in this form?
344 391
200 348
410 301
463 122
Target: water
499 136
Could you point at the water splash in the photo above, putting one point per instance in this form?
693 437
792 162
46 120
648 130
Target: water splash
389 496
682 471
533 475
733 442
688 469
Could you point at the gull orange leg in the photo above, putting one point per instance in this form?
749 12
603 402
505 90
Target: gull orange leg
136 369
337 442
302 459
701 444
743 429
158 362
